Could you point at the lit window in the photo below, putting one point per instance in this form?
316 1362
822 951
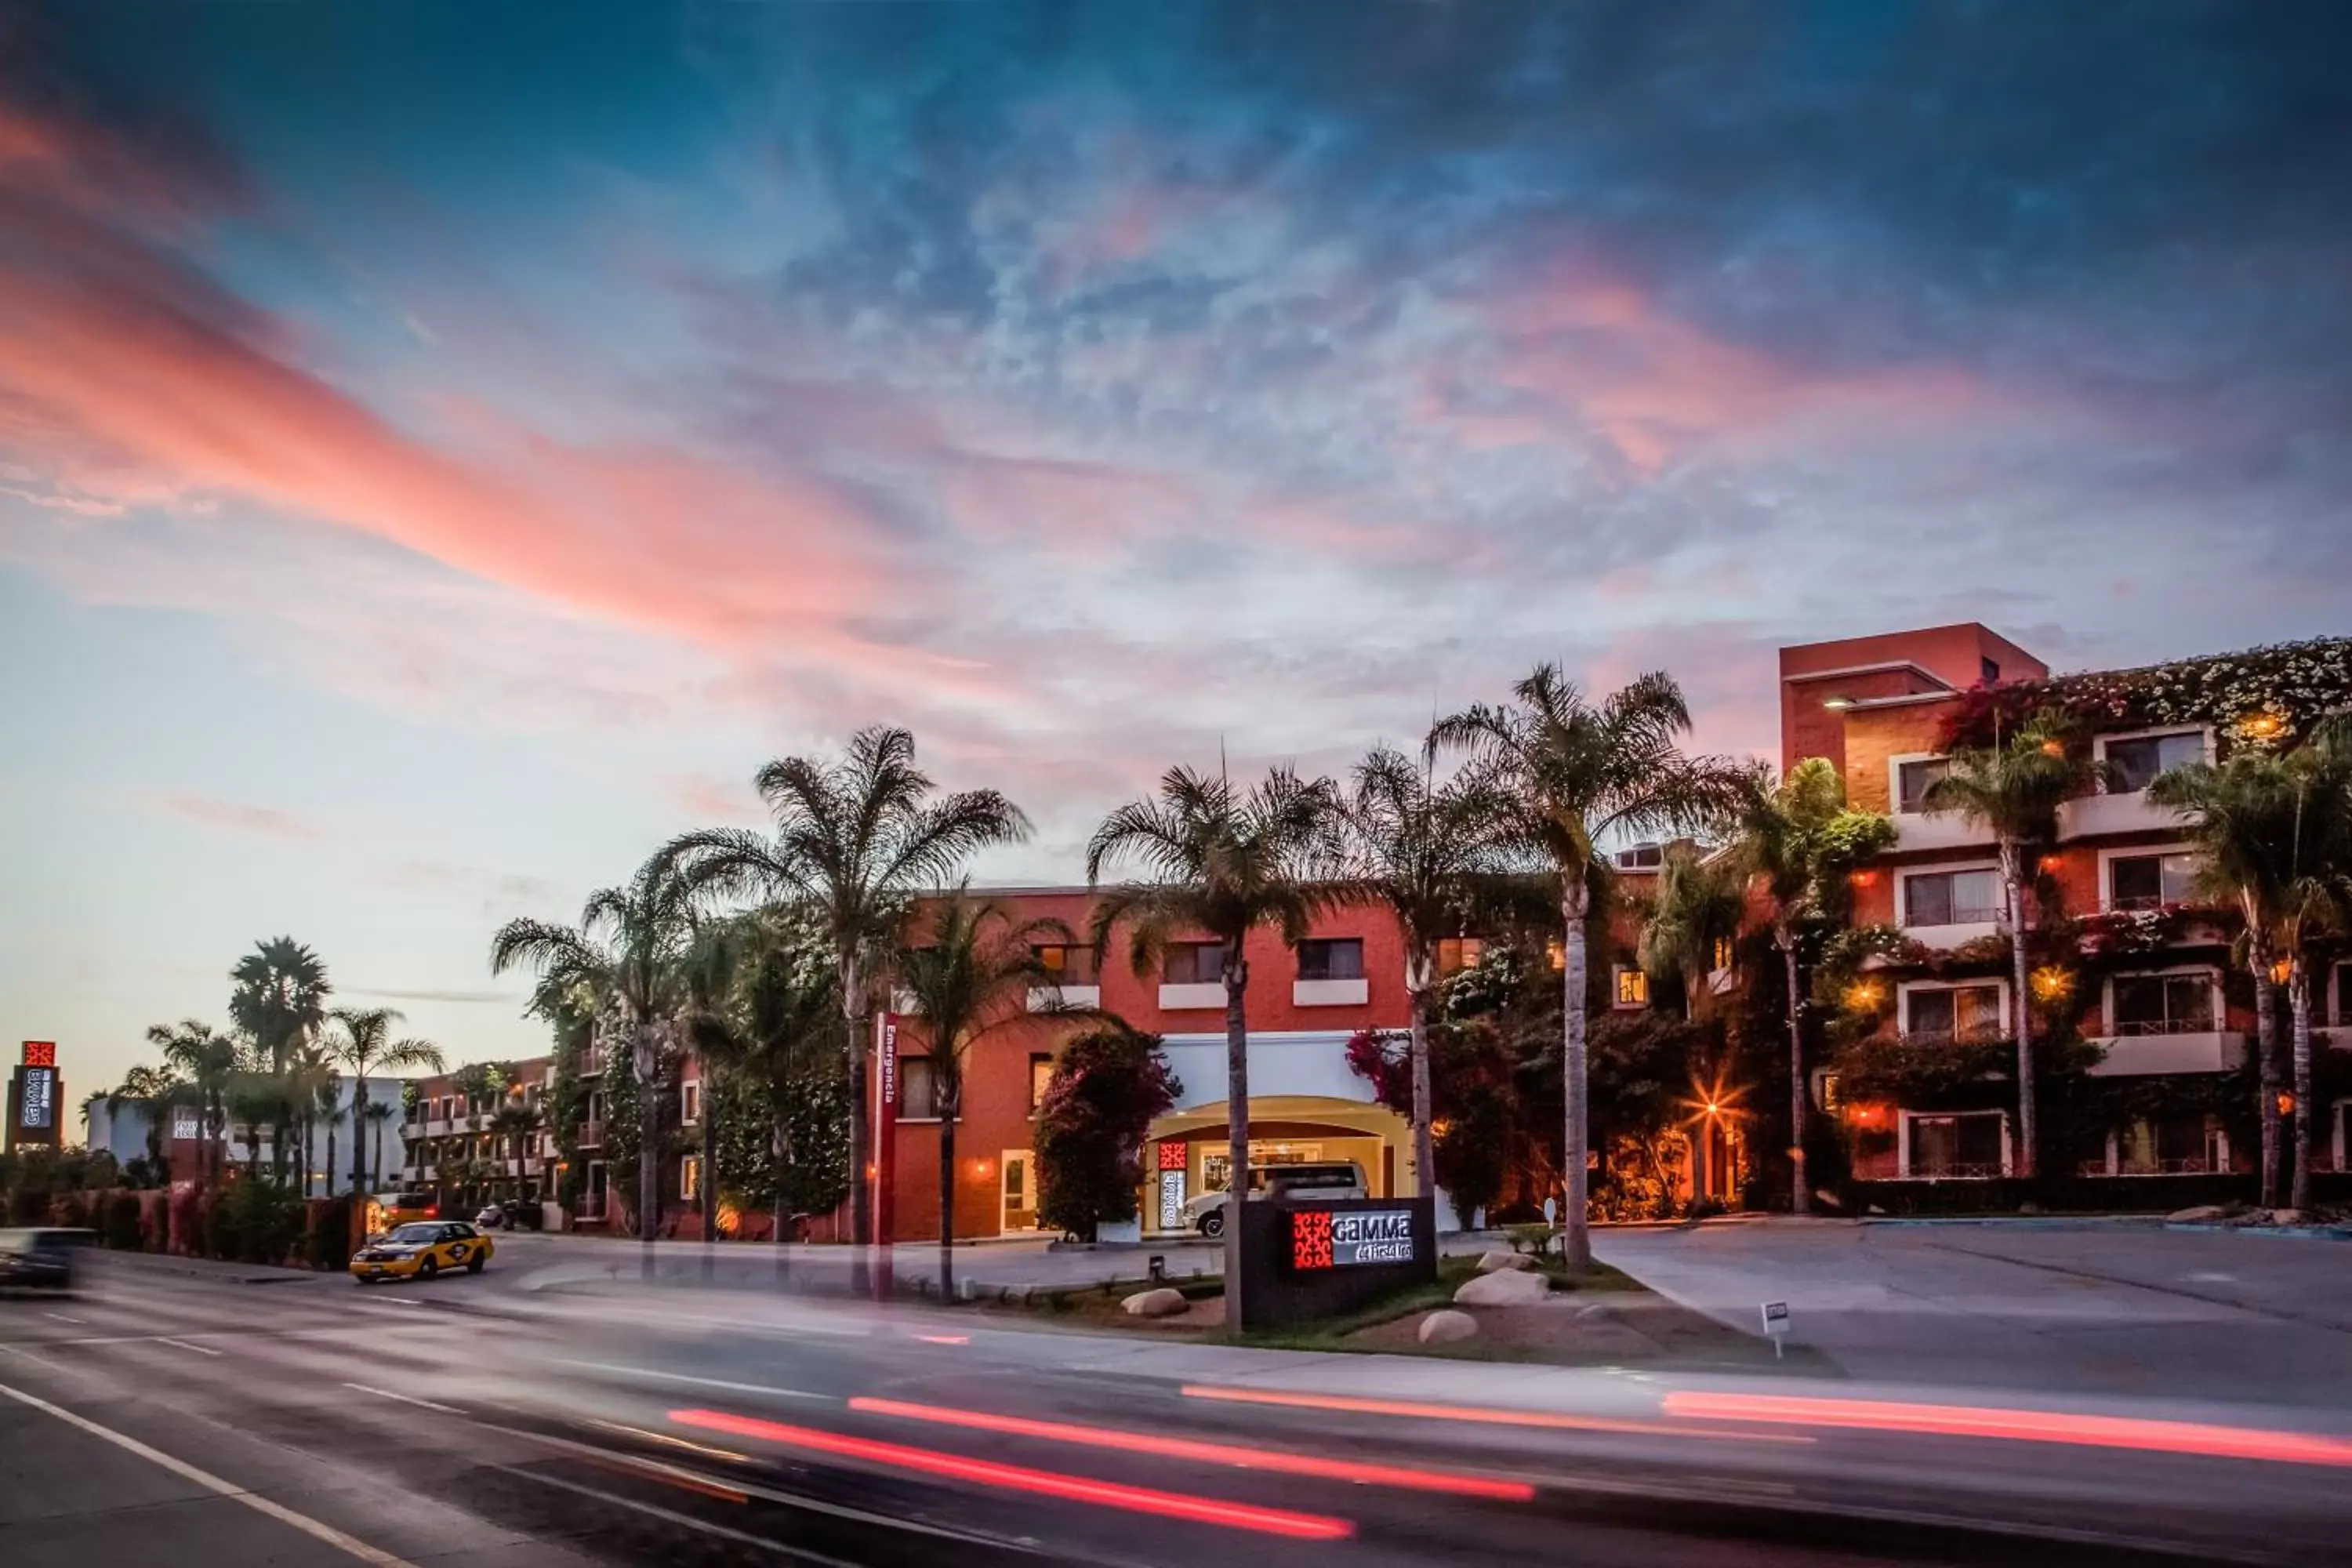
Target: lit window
1339 958
1456 954
1632 986
1954 1012
689 1178
1041 1073
1723 953
1068 963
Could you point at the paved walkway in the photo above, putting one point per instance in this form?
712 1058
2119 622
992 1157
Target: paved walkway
2081 1306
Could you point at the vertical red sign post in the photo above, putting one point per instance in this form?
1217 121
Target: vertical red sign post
886 1140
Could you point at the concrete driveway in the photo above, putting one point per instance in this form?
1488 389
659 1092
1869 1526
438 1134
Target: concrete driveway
2072 1307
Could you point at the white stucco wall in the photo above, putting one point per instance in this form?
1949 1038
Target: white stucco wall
1301 1061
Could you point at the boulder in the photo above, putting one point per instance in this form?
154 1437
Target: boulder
2203 1214
2286 1216
1160 1303
1443 1327
1497 1261
1510 1288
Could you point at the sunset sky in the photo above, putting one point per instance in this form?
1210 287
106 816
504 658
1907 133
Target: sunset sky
444 449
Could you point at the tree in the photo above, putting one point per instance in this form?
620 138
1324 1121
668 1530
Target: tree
627 951
1419 849
279 1001
859 837
1800 840
157 1090
1109 1084
327 1106
360 1039
375 1114
1223 864
1575 773
2013 789
969 974
512 1126
2274 834
1698 908
210 1062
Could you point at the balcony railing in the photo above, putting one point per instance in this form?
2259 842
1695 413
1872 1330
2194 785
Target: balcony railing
592 1135
2189 1026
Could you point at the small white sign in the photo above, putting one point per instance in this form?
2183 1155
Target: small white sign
1776 1317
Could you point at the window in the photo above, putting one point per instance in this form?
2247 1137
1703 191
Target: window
2133 764
1988 670
1913 780
1456 954
1722 953
1970 1146
2150 881
1041 1074
1951 898
689 1178
1629 987
1069 964
918 1097
2163 1003
1195 963
1333 958
690 1103
1953 1013
1641 857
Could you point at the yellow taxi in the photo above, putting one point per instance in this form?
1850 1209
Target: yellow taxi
419 1250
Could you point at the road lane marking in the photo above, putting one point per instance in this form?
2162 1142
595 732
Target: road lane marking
1020 1478
317 1529
1235 1455
61 1318
185 1345
688 1521
405 1399
646 1372
666 1440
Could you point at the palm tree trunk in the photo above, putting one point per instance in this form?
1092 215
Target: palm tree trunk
2298 997
2012 887
947 1195
1424 1157
1576 1241
707 1190
1236 979
648 1137
2258 952
359 1132
1800 1194
331 1159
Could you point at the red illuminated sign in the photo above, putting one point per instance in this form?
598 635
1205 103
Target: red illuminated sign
40 1053
1311 1238
1173 1155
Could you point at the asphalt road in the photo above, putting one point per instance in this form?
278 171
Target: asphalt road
246 1417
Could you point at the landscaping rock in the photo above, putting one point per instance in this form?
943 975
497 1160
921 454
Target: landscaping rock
2203 1214
1443 1327
1160 1303
2286 1216
1496 1262
1510 1288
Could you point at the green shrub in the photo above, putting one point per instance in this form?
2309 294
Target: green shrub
263 1221
123 1222
68 1209
327 1247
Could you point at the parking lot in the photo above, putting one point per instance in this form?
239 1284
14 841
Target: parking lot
2080 1307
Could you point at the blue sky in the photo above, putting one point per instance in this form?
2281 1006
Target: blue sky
444 453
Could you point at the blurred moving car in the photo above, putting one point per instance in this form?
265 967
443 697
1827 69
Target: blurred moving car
39 1258
1322 1179
421 1250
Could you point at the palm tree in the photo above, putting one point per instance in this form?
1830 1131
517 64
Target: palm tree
210 1062
511 1127
1419 849
327 1103
627 950
1224 863
2275 838
2013 790
1800 841
279 1001
969 975
375 1113
158 1088
1699 905
360 1039
1575 774
858 838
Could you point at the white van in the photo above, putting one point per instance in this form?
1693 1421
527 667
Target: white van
1320 1179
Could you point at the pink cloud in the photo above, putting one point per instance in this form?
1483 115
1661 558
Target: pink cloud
237 816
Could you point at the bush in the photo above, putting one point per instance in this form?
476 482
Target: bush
1104 1090
121 1229
69 1210
262 1221
327 1247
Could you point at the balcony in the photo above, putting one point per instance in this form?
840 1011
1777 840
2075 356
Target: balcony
1966 925
1916 830
592 1135
2142 1054
1193 998
2095 815
592 1062
1047 998
1329 992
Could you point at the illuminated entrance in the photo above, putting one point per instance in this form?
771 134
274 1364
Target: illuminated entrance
1186 1155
